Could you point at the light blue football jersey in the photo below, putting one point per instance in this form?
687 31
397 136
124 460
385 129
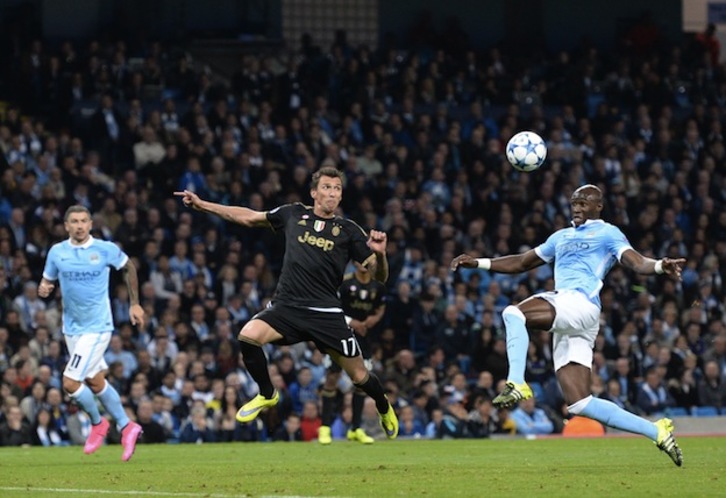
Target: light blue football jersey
584 255
83 272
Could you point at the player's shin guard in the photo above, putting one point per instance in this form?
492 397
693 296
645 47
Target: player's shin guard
256 363
84 398
612 415
372 387
358 401
517 342
329 406
112 403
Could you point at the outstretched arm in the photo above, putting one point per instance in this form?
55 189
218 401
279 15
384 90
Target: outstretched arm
515 263
236 214
132 284
635 261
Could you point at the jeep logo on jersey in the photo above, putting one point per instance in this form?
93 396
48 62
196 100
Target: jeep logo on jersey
321 242
318 226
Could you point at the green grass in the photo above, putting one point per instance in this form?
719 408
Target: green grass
500 467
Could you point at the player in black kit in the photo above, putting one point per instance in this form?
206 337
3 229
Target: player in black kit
363 300
306 306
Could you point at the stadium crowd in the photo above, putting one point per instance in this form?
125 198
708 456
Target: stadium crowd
419 134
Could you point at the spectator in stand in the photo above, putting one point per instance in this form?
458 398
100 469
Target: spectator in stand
482 422
424 320
149 152
31 404
116 352
456 337
709 44
684 390
153 431
303 389
531 420
310 421
712 388
15 431
43 433
410 426
289 430
342 424
167 283
653 396
198 429
717 353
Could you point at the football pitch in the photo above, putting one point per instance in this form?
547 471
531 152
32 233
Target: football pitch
613 466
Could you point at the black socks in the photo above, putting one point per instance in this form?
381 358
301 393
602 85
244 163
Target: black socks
256 363
358 400
373 388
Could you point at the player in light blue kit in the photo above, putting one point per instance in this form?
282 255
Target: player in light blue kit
81 266
583 255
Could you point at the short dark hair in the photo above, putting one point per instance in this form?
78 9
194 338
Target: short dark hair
328 171
76 208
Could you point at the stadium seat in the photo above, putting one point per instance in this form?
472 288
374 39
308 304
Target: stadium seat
677 411
579 426
704 411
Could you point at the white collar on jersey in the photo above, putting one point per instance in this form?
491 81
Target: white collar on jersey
85 245
587 222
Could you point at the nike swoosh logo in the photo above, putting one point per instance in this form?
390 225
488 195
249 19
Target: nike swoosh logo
249 412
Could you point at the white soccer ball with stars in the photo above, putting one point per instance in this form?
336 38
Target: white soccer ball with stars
526 151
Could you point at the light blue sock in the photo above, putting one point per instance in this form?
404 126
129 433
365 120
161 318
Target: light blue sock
112 403
84 398
612 415
517 342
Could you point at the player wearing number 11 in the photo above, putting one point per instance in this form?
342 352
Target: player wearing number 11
306 306
81 265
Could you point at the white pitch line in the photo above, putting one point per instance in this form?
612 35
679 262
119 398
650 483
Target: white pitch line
33 489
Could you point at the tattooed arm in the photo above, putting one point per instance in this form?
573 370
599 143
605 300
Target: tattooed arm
132 284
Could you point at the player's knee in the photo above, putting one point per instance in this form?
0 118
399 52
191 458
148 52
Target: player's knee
97 384
247 340
512 312
70 385
577 407
358 375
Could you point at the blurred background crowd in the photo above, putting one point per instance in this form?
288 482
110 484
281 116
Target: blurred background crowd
419 131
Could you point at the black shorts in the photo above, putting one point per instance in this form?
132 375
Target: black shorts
365 347
326 330
365 350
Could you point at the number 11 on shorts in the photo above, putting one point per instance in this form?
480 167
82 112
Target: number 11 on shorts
75 361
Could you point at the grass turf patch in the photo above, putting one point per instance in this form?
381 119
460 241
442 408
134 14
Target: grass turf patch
502 467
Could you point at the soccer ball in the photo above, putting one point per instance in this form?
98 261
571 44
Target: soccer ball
526 151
